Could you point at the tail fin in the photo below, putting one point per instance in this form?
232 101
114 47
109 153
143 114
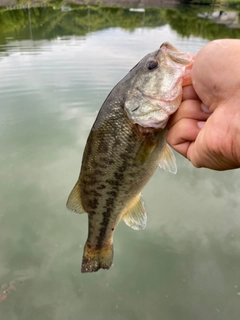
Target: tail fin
93 259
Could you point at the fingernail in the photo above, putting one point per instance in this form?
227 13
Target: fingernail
201 124
204 108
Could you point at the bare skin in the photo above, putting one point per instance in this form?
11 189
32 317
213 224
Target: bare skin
210 136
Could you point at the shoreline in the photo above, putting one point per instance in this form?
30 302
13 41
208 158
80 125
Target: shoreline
106 3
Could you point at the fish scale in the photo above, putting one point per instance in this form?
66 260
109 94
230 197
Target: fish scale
123 151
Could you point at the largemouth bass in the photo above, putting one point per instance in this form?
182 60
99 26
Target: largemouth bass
124 148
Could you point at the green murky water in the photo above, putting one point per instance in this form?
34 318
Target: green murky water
56 68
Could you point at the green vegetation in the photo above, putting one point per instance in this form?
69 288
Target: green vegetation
206 2
59 3
186 24
212 2
50 22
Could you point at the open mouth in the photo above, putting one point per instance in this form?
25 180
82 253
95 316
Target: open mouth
175 55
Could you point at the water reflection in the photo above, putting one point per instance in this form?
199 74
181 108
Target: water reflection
186 263
49 22
229 18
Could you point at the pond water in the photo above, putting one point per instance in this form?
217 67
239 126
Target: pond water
57 67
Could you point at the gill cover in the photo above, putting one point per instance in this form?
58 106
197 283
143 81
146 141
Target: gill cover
156 92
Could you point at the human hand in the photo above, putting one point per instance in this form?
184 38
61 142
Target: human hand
210 136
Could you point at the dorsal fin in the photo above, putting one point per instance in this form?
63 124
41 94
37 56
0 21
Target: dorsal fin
135 215
74 202
167 160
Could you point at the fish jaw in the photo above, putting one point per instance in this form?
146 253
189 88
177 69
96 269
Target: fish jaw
158 91
153 113
182 58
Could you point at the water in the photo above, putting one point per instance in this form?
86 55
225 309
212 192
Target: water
54 77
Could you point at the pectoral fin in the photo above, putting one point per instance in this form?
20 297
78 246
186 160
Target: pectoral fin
167 160
135 216
74 202
144 152
147 146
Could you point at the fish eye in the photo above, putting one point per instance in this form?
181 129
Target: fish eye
152 64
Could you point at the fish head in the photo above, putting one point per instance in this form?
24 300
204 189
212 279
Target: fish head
155 86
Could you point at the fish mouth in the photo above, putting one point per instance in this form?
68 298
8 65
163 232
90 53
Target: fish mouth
175 55
168 46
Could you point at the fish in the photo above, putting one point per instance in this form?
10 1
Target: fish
126 144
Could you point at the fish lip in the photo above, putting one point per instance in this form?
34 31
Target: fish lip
166 46
175 55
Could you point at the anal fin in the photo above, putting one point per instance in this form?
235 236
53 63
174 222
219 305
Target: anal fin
135 215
